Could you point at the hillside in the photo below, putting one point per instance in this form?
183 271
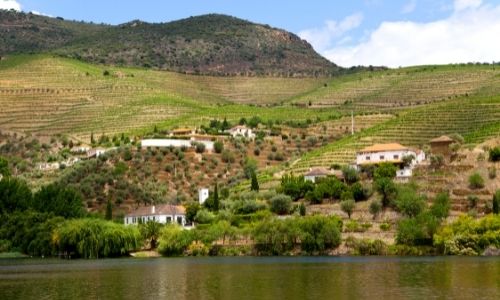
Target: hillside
208 44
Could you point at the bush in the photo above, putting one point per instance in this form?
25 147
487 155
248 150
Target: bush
375 208
494 154
350 175
387 189
409 203
366 246
204 216
496 202
385 226
441 206
227 156
200 147
280 204
359 192
174 241
417 231
15 195
385 170
473 200
476 181
218 146
437 161
347 206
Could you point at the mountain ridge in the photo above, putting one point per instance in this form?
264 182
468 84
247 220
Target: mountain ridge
211 44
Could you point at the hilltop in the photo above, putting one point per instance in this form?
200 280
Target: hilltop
208 44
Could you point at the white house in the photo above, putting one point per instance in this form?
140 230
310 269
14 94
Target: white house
96 152
390 153
315 174
241 131
176 143
164 214
203 195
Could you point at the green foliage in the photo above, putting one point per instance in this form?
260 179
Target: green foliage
295 186
173 241
476 181
350 175
387 189
302 209
366 246
109 210
4 167
375 208
467 236
408 202
440 208
15 195
347 206
496 203
385 170
30 232
437 161
359 192
204 216
94 238
191 211
494 154
248 206
218 146
417 231
61 201
250 167
227 156
254 186
280 204
150 231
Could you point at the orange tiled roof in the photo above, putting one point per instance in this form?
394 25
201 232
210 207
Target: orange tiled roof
442 139
384 147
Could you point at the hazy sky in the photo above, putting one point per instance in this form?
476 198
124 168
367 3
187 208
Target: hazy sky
357 32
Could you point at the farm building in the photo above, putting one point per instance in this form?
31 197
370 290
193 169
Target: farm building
241 131
391 153
176 143
441 146
96 152
203 195
316 173
164 214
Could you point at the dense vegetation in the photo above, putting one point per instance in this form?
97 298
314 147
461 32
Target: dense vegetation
209 44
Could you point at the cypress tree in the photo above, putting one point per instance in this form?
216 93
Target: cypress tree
254 184
216 199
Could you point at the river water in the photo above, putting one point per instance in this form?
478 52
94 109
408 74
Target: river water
252 278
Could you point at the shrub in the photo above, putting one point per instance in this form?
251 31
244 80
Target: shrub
494 154
218 146
375 208
385 226
408 202
204 216
347 206
173 241
387 189
302 209
360 193
437 161
350 174
385 170
280 204
227 156
441 206
496 202
200 147
476 181
472 199
366 246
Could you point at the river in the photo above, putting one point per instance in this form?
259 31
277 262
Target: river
252 278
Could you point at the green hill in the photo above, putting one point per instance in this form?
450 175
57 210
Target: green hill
208 44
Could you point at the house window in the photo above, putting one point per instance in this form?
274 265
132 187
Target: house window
382 157
367 158
179 220
169 219
396 156
153 218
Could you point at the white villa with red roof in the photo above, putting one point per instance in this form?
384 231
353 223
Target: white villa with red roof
391 153
164 214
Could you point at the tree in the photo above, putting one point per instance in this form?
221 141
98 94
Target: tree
92 139
250 167
302 209
150 231
359 193
218 146
15 195
385 170
375 208
441 206
347 206
280 204
350 175
409 203
255 184
109 210
215 199
387 189
476 181
191 211
4 167
437 161
200 147
59 200
494 154
496 202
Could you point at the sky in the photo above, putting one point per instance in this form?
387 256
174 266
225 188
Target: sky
392 33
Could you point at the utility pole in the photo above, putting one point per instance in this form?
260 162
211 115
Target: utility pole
352 123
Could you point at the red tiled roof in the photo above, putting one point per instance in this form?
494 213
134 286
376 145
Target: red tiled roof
318 172
383 147
442 139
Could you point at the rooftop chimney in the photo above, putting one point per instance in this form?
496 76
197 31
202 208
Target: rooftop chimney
153 209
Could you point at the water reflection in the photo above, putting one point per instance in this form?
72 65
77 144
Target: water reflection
252 278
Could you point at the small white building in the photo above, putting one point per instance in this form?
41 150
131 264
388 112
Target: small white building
176 143
390 153
96 152
316 173
241 131
203 194
80 149
164 214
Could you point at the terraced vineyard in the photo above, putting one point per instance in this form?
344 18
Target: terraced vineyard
476 118
400 88
52 95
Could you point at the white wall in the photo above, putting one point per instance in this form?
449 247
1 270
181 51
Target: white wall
209 145
374 157
128 220
203 195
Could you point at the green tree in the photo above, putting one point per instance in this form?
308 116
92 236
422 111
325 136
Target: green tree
385 170
109 210
350 175
61 201
387 189
494 154
408 202
254 184
302 209
280 204
375 208
218 146
496 202
347 206
441 206
150 231
15 195
4 167
191 211
216 203
250 167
